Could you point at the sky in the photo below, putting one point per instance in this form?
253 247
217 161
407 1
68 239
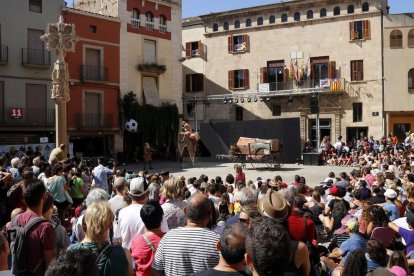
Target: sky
199 7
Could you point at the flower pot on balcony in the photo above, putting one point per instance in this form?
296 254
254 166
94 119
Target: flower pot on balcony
152 68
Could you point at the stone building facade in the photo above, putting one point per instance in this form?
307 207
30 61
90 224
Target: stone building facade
270 62
399 73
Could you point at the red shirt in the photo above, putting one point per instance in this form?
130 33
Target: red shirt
41 238
143 254
240 176
296 227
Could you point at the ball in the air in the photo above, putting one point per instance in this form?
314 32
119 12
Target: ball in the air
131 125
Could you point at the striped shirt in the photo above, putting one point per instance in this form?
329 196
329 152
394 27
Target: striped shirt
183 251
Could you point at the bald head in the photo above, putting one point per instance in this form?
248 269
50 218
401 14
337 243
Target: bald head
198 208
232 243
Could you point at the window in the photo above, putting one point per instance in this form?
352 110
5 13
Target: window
272 19
239 113
238 79
357 112
260 21
351 9
92 28
226 26
360 30
215 27
296 16
284 17
92 70
36 107
163 24
396 39
248 22
238 44
149 17
93 110
150 51
135 18
35 6
237 24
411 38
357 70
322 13
35 53
411 80
365 7
309 14
194 82
337 10
194 49
276 110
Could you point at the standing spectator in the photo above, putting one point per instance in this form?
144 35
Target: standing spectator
117 202
40 246
174 205
57 186
129 222
188 249
154 188
232 250
112 260
144 246
78 262
36 166
268 247
57 154
100 174
15 162
4 256
240 176
77 191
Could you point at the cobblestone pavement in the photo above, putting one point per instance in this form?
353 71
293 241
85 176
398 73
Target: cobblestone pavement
313 174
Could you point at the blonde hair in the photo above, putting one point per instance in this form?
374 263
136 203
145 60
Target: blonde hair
238 168
172 188
97 221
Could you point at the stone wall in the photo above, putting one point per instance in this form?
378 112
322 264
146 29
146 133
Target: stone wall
105 7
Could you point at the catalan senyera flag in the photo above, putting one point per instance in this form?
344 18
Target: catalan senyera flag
336 84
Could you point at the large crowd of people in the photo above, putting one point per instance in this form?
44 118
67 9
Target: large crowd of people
74 217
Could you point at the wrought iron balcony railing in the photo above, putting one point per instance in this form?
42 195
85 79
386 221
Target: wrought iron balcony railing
94 121
94 73
35 57
335 84
4 54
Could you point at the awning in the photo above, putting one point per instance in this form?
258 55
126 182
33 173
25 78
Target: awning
151 91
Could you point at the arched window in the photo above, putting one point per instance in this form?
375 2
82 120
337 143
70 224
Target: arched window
248 22
309 14
272 19
237 24
351 9
411 38
259 21
226 26
411 79
149 17
135 13
365 7
296 16
284 17
396 38
215 27
322 13
337 10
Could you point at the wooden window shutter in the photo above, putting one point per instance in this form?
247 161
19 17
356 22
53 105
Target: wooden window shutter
188 49
200 49
353 70
366 29
200 82
188 83
246 82
360 65
332 70
231 79
246 40
264 78
204 52
351 31
230 44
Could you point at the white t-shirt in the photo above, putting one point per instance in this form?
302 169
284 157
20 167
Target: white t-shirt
116 203
130 224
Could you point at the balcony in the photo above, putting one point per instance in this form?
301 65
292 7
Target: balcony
149 25
163 29
94 121
35 58
151 64
4 54
94 73
304 86
135 23
30 117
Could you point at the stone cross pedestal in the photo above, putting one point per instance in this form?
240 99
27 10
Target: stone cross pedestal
61 38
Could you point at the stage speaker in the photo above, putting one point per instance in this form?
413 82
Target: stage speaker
314 105
312 159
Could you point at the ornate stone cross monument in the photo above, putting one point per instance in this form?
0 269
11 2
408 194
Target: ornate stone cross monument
61 38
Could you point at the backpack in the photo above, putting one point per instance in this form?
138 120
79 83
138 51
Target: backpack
18 245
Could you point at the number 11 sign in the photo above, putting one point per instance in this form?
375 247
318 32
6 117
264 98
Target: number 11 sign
16 113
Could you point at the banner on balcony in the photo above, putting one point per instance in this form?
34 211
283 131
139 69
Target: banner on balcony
264 87
336 84
325 83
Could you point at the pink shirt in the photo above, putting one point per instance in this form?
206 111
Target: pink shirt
240 177
143 254
370 179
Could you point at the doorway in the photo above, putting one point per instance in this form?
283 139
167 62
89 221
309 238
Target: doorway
324 130
275 71
354 132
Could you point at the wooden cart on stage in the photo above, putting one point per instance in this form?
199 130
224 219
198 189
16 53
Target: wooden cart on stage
256 152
